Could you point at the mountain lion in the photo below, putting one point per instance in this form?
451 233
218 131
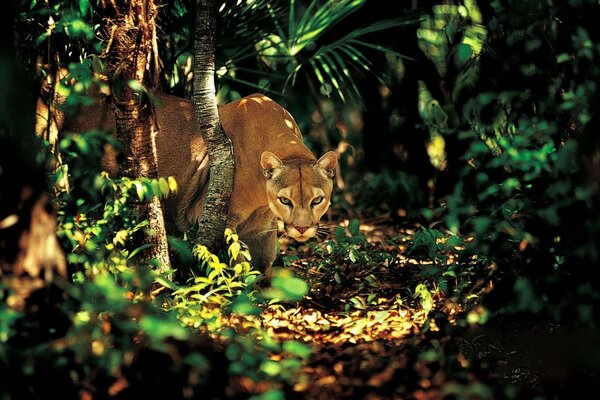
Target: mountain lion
276 175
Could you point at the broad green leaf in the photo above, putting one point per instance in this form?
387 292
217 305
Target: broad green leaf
84 5
463 54
245 307
161 328
293 288
354 227
298 349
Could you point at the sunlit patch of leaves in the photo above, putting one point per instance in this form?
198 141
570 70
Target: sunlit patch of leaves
98 233
216 283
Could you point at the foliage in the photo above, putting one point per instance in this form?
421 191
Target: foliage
89 337
275 41
200 302
519 192
425 244
347 244
330 63
250 356
97 233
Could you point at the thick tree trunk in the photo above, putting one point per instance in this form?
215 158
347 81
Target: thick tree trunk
30 254
134 38
220 185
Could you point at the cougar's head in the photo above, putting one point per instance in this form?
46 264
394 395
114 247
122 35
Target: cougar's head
299 191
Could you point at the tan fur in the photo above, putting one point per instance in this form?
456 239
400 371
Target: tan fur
271 164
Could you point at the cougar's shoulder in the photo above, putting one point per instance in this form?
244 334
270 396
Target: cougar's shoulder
256 124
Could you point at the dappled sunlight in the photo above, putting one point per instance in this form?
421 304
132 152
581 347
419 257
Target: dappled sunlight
350 314
259 99
249 101
362 320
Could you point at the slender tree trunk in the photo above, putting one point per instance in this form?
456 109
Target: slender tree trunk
220 185
133 44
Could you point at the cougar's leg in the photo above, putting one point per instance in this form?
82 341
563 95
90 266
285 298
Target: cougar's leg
259 233
263 248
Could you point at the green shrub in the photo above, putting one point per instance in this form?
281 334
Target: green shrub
522 108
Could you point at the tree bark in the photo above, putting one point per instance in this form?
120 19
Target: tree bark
220 184
30 254
133 44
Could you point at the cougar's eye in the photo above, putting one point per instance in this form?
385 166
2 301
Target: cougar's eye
285 201
316 200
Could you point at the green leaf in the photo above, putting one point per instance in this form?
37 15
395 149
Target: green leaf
84 5
294 287
269 395
563 57
161 328
166 282
271 368
139 249
78 28
164 187
463 54
286 287
354 227
298 349
172 184
139 188
136 86
156 190
120 237
234 250
244 306
352 256
449 273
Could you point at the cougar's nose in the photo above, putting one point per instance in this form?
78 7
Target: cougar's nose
301 229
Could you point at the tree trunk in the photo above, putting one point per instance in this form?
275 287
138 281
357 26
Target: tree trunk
220 184
133 44
30 254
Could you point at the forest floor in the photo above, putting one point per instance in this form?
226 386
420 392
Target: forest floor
369 318
386 325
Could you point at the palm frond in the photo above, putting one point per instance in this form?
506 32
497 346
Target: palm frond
324 64
282 35
243 23
330 58
313 25
346 71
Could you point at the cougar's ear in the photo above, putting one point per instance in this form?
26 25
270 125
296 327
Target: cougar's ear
268 162
328 162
